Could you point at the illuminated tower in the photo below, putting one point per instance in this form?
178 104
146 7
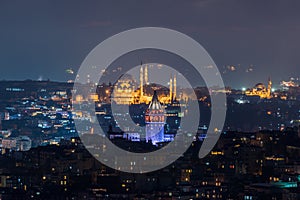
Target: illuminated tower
269 88
141 81
146 75
171 89
155 120
175 87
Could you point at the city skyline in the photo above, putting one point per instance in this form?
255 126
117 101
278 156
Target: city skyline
140 100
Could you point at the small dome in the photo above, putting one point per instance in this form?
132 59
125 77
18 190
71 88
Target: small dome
260 86
125 82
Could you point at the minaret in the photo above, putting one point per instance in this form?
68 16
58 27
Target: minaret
141 81
146 75
175 87
269 87
171 89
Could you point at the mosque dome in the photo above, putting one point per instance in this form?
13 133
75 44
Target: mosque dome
126 82
260 86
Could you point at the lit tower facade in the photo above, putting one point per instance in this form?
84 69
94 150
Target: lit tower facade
141 81
269 88
155 121
171 89
146 75
175 87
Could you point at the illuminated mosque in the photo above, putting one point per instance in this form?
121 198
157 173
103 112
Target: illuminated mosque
261 90
127 92
123 90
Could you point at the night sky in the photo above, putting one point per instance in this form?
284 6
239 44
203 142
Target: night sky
41 39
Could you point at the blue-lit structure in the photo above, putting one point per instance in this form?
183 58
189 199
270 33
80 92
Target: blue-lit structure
155 121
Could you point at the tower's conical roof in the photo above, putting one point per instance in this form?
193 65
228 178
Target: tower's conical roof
155 104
